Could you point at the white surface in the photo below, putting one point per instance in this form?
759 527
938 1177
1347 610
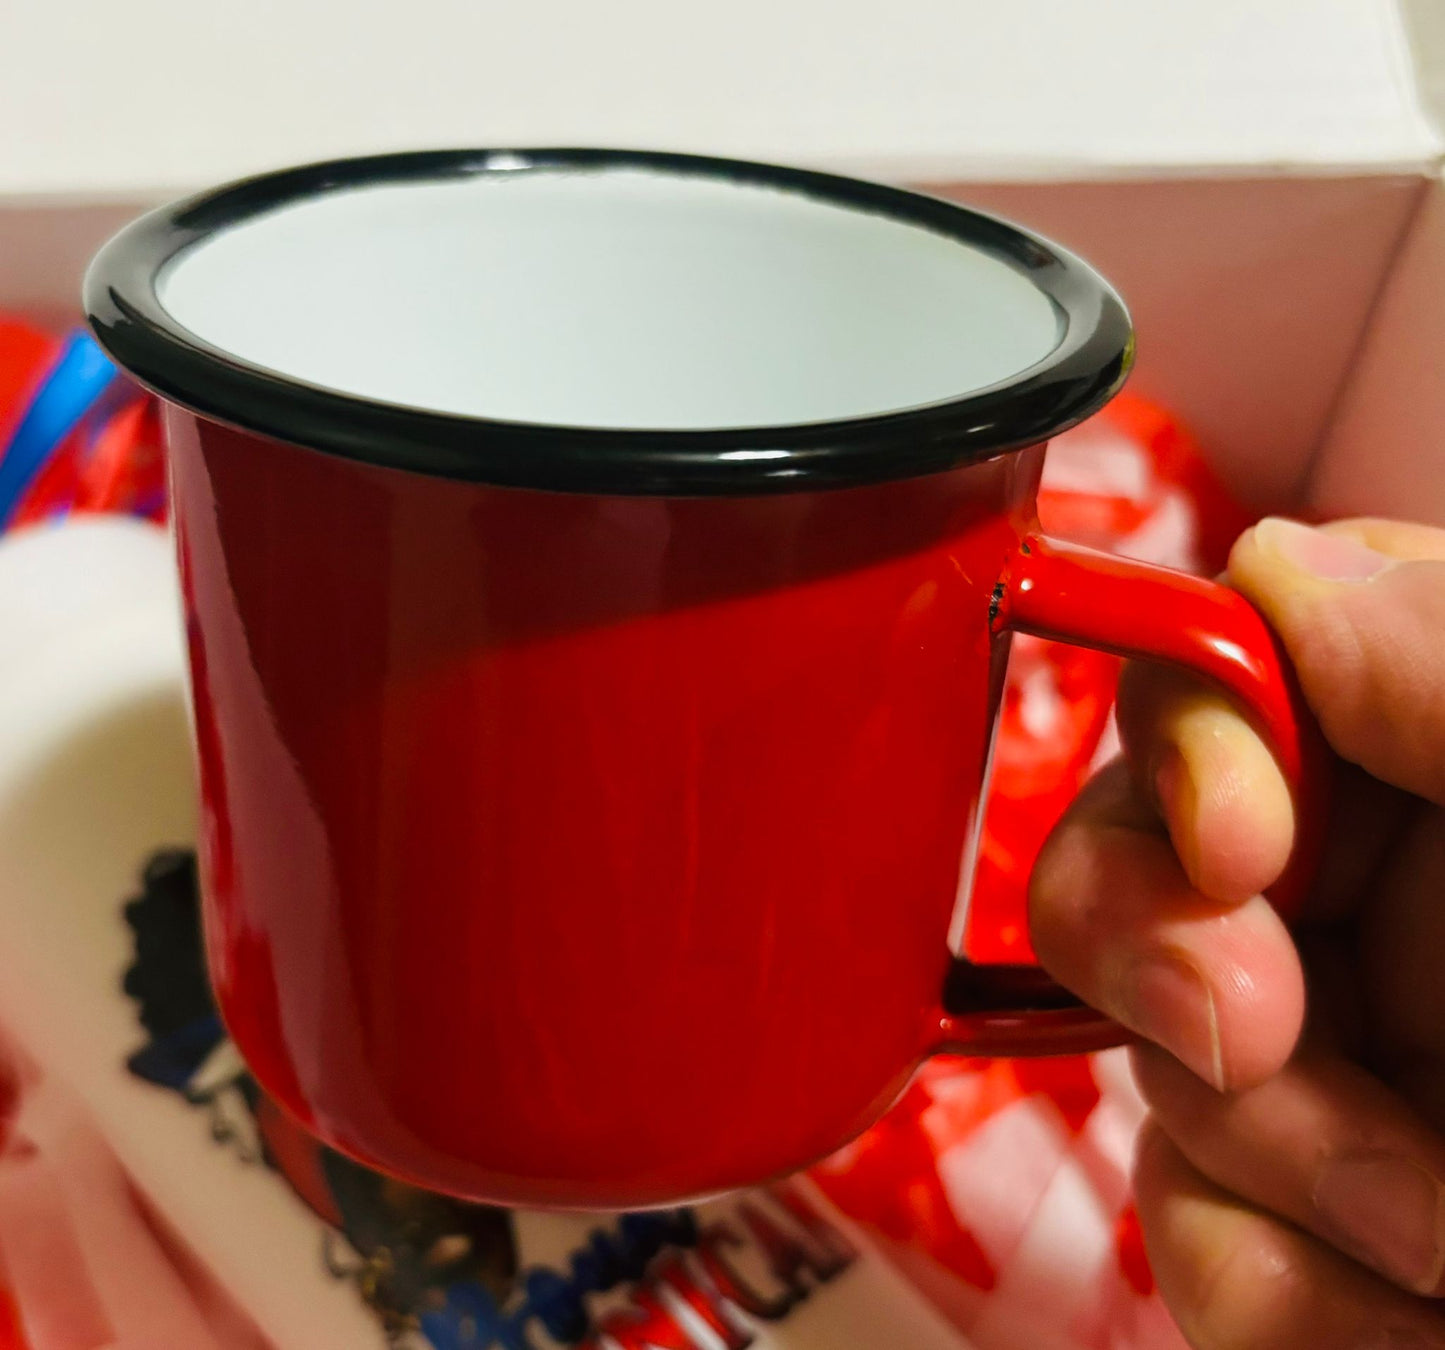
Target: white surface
1424 22
1386 451
618 298
159 94
1250 295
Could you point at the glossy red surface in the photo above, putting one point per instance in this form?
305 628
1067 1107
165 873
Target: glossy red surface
1065 592
600 851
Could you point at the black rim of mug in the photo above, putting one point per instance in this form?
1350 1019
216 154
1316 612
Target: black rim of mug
1075 379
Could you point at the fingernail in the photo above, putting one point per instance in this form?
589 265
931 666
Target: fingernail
1167 999
1390 1212
1330 557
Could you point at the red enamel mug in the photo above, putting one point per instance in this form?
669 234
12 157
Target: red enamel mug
599 571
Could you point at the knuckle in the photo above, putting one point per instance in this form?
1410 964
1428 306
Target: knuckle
1245 1293
1234 1278
1254 1295
1372 666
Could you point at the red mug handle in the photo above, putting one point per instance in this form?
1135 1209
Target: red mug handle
1072 594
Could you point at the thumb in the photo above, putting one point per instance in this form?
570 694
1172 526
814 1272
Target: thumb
1360 608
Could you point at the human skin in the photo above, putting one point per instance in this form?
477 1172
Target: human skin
1291 1179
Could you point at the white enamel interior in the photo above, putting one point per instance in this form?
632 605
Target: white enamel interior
613 298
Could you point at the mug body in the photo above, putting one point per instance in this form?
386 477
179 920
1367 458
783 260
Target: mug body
582 849
589 563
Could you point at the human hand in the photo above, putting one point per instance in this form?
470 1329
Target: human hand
1291 1181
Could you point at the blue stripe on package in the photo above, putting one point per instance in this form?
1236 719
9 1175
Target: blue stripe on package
80 376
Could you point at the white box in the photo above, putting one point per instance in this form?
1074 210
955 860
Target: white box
1261 180
1255 177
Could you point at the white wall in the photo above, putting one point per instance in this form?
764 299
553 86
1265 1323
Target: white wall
127 95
